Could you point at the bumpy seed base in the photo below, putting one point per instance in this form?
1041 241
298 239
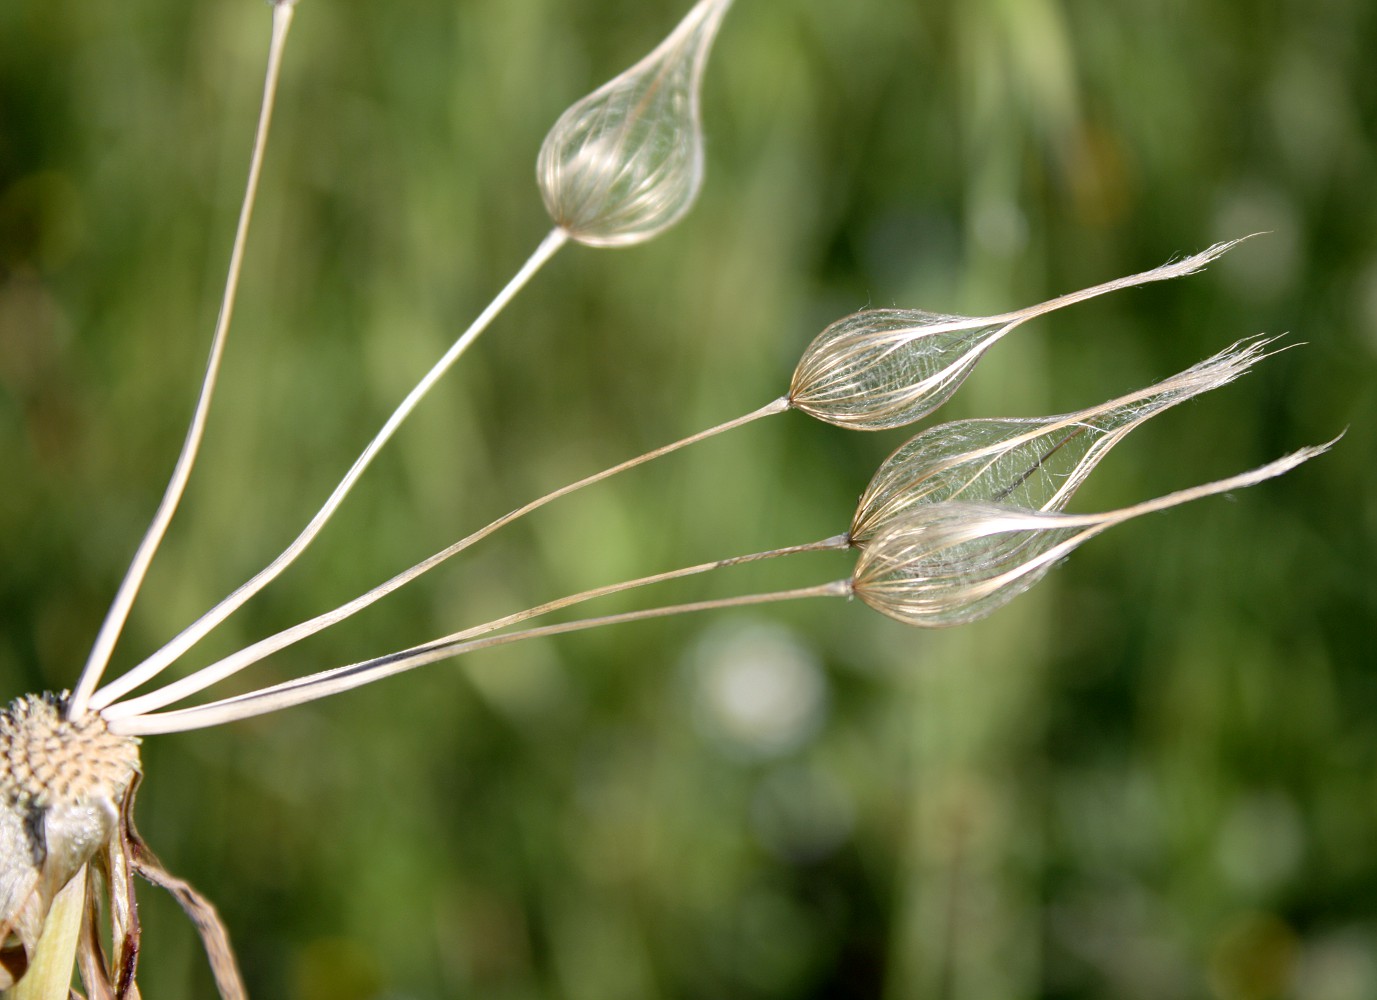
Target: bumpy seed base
47 760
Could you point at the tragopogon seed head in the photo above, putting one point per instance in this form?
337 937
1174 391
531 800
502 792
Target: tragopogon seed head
61 786
626 162
884 368
952 563
1036 463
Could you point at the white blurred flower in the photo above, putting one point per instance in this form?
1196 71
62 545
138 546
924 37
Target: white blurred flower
758 691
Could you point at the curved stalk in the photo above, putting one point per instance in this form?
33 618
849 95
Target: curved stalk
118 614
198 629
340 679
232 664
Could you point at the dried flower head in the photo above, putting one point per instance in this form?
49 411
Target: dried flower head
61 789
955 562
1038 462
883 368
626 162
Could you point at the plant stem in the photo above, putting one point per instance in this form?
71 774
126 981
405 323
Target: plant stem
198 629
835 543
232 664
118 614
340 679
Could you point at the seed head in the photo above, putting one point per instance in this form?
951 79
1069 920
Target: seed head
951 563
626 162
955 562
1036 463
883 368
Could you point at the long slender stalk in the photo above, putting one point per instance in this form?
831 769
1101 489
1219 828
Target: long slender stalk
118 614
340 679
232 664
198 681
834 544
198 629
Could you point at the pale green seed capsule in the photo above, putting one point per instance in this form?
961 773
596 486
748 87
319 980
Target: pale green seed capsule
626 162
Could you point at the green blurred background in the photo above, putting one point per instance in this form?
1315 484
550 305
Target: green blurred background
1154 776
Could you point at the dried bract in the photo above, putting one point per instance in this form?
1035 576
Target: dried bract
61 789
1036 463
626 162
